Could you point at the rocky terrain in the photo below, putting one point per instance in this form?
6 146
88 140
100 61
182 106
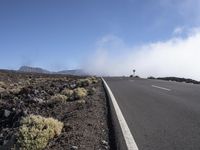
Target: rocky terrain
177 79
52 112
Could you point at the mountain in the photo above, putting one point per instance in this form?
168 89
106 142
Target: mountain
33 69
76 72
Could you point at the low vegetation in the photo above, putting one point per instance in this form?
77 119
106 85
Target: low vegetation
1 90
91 91
80 104
67 92
80 93
83 82
2 85
15 90
58 98
93 79
26 99
87 81
36 131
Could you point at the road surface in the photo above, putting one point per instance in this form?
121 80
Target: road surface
161 115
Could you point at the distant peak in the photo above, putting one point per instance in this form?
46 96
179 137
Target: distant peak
32 69
76 72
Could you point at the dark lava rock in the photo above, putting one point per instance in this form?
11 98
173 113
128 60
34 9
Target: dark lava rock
82 119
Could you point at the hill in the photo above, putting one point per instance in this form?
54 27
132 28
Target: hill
33 69
77 72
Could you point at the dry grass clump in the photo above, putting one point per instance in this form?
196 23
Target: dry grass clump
80 93
36 131
58 98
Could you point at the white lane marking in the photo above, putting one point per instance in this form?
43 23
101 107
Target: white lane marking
130 142
131 80
161 88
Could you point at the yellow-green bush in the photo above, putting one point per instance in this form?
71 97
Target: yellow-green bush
2 90
67 92
58 98
91 91
80 104
80 93
15 90
36 131
3 85
93 79
84 82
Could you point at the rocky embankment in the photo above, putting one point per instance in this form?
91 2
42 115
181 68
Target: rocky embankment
40 111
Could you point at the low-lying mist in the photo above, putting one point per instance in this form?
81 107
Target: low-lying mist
178 56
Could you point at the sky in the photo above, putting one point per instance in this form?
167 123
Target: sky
105 37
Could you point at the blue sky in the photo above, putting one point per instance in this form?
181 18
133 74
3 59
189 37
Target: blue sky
64 34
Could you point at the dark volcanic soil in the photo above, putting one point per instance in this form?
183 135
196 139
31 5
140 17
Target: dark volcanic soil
85 124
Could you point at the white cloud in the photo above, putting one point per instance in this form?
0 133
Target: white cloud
178 30
175 57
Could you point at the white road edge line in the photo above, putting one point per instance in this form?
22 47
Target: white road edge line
130 142
161 88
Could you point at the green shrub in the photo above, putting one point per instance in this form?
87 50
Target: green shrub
94 79
2 90
3 85
91 91
58 98
80 93
67 92
84 82
80 104
15 90
36 131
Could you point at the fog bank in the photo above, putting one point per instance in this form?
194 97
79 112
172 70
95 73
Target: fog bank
178 56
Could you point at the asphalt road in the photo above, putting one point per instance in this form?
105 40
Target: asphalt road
161 115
